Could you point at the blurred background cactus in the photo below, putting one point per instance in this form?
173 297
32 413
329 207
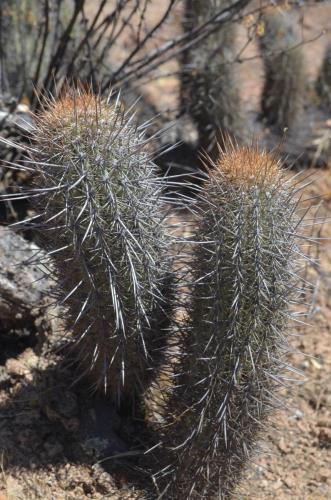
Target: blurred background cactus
18 20
30 31
323 83
285 75
209 87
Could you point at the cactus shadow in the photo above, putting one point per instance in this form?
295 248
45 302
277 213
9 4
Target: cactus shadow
49 418
49 421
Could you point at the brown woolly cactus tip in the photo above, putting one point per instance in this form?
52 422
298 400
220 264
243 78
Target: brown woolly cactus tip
246 165
80 104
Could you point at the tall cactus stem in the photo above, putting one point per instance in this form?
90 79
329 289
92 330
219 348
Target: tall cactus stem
229 365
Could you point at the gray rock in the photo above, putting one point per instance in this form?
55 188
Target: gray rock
22 281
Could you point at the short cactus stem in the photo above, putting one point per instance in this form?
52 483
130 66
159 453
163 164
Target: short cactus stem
102 222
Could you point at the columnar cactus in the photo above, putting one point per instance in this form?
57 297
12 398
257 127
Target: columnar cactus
30 32
102 222
285 78
209 90
17 43
323 84
229 360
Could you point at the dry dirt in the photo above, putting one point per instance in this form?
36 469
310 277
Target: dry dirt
57 443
